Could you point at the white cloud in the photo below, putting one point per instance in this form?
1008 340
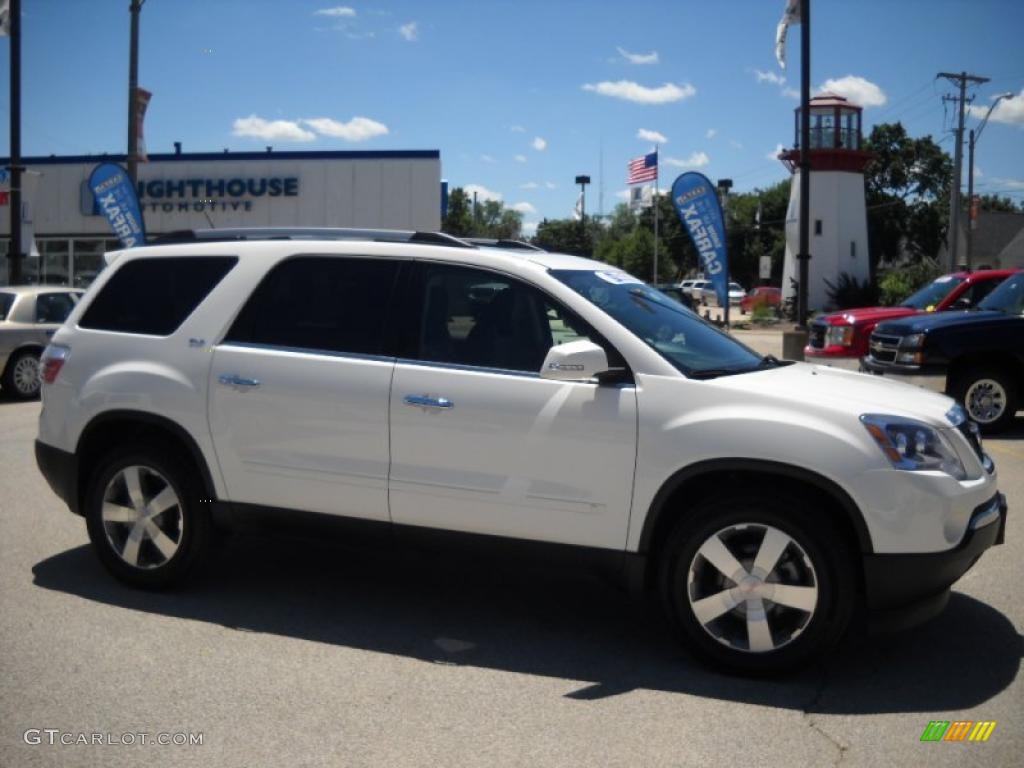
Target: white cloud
769 77
653 136
641 94
529 185
520 158
790 93
356 129
338 12
623 194
524 207
271 130
735 144
517 129
550 185
639 58
695 160
774 154
1010 111
861 92
711 133
539 144
482 192
530 228
1015 185
410 31
487 159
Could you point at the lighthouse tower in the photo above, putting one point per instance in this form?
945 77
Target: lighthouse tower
838 226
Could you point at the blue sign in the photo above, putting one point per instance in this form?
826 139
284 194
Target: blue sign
696 202
115 196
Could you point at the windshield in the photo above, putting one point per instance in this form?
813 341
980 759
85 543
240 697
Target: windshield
6 302
693 346
1008 297
933 293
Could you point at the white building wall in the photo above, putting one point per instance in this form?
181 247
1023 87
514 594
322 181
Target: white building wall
377 192
837 201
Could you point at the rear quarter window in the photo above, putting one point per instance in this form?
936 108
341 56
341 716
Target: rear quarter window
6 302
154 296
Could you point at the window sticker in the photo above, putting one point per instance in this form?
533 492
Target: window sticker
618 277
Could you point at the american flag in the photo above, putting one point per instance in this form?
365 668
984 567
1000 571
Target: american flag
643 169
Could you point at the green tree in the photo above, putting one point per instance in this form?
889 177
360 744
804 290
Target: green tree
491 218
459 218
1000 204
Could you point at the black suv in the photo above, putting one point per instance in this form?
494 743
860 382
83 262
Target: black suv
976 356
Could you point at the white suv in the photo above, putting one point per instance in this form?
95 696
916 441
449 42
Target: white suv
414 383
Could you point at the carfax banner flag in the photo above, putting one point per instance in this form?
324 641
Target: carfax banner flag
696 202
116 198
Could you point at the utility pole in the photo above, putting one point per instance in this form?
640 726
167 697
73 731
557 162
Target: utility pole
133 87
961 79
804 256
14 255
973 138
583 181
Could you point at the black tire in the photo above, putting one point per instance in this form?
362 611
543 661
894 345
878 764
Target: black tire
21 376
186 524
990 397
795 636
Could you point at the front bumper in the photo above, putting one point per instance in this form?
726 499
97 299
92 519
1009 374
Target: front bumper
60 469
904 590
926 377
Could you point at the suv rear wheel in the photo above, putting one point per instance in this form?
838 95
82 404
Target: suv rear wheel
754 585
142 512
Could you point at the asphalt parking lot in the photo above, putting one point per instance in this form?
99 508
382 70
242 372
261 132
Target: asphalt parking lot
306 654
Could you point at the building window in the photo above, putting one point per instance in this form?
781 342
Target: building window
817 226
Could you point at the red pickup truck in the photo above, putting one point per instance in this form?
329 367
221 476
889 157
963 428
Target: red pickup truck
841 338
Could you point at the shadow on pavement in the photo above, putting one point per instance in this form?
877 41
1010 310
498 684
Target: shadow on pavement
540 622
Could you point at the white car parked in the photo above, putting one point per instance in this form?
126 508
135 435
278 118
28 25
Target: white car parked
413 383
736 294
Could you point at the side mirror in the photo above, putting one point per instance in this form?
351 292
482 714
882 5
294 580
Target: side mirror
574 361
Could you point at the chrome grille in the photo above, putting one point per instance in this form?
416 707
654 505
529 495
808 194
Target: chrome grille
818 335
883 348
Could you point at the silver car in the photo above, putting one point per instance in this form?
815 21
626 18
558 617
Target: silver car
29 314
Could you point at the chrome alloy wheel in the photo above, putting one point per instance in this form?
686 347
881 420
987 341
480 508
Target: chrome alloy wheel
752 587
985 400
142 517
26 375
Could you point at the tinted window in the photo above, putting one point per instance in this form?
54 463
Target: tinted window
6 302
154 296
53 307
320 303
479 318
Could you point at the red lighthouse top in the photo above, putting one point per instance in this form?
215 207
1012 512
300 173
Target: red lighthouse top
836 143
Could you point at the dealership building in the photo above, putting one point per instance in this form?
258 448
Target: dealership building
68 235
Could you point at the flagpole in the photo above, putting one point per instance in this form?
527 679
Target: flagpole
655 280
15 253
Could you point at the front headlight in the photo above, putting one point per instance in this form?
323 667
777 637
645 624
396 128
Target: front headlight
910 349
840 335
913 446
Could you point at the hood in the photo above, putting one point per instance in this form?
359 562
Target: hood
864 315
934 321
836 390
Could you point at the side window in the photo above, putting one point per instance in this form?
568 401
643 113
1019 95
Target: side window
980 290
53 307
154 296
320 303
479 318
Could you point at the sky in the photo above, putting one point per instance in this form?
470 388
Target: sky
519 97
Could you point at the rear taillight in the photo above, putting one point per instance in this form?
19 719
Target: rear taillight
52 360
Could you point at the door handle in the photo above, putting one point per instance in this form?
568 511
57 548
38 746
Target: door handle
235 381
425 401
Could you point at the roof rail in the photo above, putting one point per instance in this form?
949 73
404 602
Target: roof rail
512 245
309 233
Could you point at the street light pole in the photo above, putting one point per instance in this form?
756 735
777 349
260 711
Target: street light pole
15 253
972 140
724 185
583 181
133 87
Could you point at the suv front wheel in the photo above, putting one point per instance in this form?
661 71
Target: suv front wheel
142 512
754 585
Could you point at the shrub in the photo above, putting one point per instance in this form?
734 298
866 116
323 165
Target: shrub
898 283
848 292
